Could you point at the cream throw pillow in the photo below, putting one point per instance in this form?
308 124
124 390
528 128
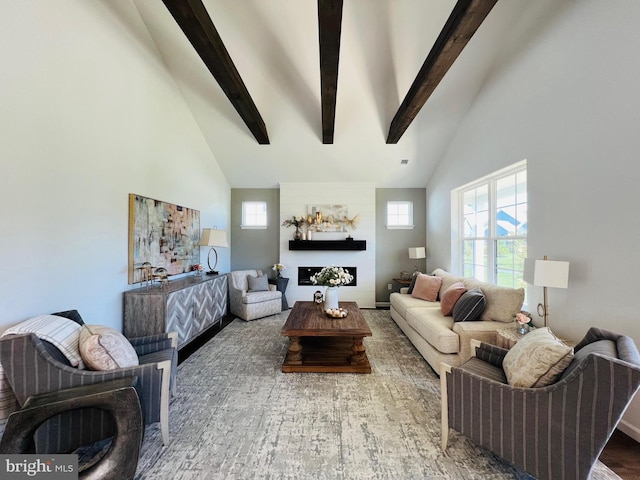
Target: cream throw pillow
537 360
103 348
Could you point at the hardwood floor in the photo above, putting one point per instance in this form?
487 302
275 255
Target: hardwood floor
622 455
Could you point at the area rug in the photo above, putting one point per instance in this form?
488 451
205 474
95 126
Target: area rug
237 416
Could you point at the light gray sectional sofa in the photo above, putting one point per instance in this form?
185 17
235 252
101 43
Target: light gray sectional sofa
437 337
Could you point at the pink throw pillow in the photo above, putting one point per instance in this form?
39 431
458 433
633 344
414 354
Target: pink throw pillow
450 296
427 287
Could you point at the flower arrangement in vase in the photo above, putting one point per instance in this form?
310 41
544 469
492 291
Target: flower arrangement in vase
331 277
278 267
524 322
198 268
295 222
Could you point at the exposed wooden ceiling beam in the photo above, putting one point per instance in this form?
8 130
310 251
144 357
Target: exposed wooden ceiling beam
465 19
329 27
193 19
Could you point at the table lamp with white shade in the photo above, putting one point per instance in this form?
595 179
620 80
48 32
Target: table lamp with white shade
416 253
212 237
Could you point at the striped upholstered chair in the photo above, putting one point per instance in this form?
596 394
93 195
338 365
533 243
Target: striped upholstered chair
551 432
34 366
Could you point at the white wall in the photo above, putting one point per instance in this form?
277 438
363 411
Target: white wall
563 95
89 114
360 199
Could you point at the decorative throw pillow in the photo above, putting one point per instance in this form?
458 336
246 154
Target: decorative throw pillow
426 287
258 284
61 332
450 297
104 348
413 282
537 360
469 306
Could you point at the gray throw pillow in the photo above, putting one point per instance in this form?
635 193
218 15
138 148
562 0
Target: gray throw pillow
469 306
258 284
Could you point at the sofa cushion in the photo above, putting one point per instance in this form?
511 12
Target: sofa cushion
434 327
502 302
447 279
537 360
257 284
104 348
401 302
469 306
259 297
426 287
450 297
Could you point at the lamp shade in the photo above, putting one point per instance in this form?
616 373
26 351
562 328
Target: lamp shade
212 237
417 252
551 273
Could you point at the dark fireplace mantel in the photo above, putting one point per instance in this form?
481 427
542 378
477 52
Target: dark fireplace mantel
354 245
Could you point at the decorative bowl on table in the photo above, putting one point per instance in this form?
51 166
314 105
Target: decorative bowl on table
336 312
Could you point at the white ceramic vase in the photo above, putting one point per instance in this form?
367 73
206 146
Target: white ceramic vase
331 298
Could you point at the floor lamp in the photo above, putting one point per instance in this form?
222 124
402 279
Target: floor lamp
212 237
549 273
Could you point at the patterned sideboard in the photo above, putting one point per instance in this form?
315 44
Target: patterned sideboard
188 306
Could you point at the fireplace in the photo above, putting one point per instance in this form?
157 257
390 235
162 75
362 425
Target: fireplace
305 273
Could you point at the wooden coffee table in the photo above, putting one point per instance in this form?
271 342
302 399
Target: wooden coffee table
319 343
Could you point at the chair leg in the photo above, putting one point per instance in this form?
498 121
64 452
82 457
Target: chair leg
165 366
444 414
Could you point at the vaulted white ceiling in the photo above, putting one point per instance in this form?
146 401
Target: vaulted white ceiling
274 45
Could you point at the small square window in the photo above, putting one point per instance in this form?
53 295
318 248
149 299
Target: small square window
400 214
254 214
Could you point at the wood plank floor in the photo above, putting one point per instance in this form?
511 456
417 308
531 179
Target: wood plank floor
622 455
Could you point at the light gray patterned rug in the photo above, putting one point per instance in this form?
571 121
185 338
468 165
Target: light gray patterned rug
237 416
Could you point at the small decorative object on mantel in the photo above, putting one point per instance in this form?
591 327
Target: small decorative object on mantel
332 278
295 222
351 224
524 322
278 267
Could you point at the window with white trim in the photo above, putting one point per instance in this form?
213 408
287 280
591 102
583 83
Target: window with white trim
254 214
491 237
400 214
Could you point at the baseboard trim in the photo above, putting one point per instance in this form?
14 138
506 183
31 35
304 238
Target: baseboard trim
383 304
631 430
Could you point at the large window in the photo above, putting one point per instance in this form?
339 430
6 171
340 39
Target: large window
492 228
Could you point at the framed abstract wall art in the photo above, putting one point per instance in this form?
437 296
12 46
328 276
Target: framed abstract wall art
162 234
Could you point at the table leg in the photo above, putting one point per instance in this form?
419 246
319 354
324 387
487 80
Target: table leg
294 352
359 356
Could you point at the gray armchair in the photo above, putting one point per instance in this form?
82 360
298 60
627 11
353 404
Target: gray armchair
556 431
34 367
250 305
